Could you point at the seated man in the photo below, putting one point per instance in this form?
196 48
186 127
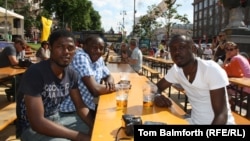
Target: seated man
90 66
10 56
135 60
206 93
43 88
124 50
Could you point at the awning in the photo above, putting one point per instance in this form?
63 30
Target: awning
9 13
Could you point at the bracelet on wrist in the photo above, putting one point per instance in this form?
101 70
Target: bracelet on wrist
157 94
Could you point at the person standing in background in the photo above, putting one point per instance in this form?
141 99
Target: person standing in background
220 49
208 52
162 45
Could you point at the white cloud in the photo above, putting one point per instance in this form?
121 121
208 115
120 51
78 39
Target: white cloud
110 11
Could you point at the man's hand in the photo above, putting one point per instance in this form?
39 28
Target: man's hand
110 84
162 101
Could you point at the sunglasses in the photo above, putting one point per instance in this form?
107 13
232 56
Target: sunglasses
221 35
230 49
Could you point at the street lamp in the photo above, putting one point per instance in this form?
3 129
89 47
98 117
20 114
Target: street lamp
123 13
134 17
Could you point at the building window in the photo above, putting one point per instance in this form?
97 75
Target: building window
200 6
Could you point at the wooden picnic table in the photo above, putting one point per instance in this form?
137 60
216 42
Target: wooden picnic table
109 119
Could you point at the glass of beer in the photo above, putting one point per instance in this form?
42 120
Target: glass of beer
148 100
122 92
124 76
149 91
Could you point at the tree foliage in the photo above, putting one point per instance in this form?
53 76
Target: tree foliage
76 14
10 4
171 15
147 23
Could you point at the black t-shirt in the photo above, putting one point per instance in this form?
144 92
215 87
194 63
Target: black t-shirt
40 81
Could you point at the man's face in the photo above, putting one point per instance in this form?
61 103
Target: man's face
95 49
181 51
222 36
123 46
62 51
20 47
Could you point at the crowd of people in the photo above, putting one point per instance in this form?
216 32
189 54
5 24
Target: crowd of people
58 96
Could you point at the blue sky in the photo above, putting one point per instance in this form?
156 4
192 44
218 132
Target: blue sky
110 11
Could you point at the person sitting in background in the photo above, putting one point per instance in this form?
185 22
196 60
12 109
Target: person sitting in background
207 95
10 56
43 88
135 60
162 54
124 52
151 51
43 52
89 64
235 65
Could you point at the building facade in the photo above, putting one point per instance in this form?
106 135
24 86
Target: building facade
210 18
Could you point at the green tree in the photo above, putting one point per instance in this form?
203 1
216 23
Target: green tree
170 14
10 4
147 25
76 14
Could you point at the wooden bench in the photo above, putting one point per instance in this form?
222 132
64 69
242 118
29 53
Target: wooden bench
180 91
7 115
239 120
153 73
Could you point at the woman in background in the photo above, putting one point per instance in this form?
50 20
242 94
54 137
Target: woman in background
43 52
236 65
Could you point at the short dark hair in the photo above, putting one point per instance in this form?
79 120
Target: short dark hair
44 42
21 41
91 38
188 39
133 41
58 34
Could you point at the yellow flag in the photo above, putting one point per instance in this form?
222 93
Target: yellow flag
46 28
